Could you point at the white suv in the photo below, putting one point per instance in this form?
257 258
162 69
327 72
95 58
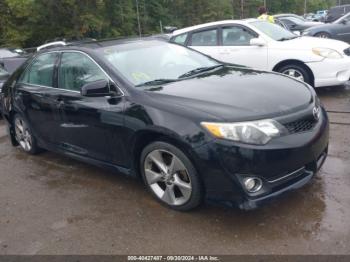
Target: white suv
266 46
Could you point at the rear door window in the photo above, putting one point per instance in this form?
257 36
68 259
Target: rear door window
41 71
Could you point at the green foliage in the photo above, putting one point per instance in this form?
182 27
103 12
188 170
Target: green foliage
29 23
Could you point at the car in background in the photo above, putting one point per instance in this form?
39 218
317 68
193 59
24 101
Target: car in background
339 29
266 46
295 23
337 12
310 17
11 52
191 127
320 16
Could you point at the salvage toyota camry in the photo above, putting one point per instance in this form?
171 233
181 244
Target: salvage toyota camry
194 129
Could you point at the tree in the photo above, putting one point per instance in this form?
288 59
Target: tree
30 23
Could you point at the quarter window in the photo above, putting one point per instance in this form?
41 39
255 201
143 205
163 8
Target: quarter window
41 71
236 36
180 39
76 70
205 38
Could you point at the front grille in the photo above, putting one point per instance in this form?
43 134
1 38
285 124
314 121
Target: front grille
300 126
347 51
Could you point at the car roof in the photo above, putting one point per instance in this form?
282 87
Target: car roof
284 15
196 27
93 45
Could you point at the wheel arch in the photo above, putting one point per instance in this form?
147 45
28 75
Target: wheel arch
295 62
145 137
324 31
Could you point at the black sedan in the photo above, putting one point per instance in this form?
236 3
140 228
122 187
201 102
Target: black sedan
295 23
192 128
339 29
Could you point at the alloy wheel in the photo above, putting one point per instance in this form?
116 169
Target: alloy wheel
23 135
168 177
294 73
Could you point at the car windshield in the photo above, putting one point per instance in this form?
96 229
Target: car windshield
345 18
274 31
154 62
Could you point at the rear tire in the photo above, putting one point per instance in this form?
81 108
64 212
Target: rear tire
24 135
323 35
296 71
170 176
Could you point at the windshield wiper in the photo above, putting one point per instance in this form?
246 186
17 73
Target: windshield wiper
199 70
157 82
287 38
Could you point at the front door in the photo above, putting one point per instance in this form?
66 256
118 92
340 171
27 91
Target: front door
90 126
236 48
342 30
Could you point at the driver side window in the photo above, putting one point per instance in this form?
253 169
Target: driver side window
76 70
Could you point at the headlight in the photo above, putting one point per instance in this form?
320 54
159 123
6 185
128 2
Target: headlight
305 33
255 132
327 53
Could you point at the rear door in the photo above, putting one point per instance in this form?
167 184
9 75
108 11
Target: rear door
235 47
38 97
90 126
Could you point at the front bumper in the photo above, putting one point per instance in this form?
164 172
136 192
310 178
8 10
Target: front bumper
331 72
284 164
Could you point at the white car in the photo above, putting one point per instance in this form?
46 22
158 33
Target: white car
265 46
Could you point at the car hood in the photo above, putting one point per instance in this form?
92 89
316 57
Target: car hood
236 94
307 43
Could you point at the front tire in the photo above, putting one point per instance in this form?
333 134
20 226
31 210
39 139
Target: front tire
24 136
296 71
170 176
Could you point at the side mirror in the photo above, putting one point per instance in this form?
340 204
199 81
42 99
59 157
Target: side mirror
344 22
96 89
257 42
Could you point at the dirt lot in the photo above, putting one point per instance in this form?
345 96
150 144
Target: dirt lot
50 204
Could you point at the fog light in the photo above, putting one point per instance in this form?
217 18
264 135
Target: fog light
252 185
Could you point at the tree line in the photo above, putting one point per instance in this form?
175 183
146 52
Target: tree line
28 23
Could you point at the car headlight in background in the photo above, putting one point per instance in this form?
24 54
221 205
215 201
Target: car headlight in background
255 132
327 53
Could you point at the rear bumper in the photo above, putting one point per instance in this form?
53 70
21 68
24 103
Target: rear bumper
331 72
285 164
